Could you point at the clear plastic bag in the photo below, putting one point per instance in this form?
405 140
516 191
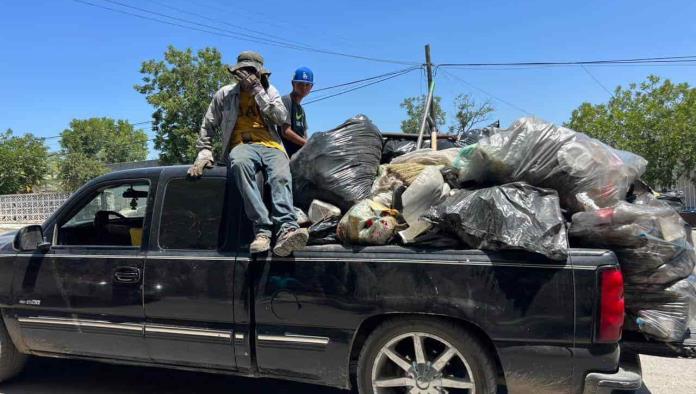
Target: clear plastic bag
652 242
428 189
586 173
511 216
320 210
656 256
337 166
664 313
368 223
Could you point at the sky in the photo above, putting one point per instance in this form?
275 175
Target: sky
63 59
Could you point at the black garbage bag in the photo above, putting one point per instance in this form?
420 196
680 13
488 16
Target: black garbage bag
437 239
324 232
511 216
395 147
337 166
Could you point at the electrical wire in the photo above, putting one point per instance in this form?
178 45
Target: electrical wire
646 60
446 72
361 86
597 81
205 28
209 19
364 79
241 36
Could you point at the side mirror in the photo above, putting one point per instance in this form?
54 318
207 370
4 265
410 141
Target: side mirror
31 238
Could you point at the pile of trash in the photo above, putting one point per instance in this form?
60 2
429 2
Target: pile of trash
513 189
656 254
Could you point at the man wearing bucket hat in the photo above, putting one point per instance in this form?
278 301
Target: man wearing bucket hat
294 131
247 114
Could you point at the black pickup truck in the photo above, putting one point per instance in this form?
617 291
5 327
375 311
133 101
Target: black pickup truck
148 267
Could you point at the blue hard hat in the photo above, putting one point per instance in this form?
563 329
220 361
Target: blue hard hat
304 75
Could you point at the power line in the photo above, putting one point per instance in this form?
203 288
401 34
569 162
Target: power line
209 19
362 86
241 36
647 60
486 93
229 34
363 80
597 80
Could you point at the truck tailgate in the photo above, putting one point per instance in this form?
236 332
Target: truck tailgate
638 343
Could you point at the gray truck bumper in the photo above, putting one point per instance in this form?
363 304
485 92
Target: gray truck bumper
628 377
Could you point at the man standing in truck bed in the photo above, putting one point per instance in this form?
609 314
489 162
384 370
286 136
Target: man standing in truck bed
248 114
294 131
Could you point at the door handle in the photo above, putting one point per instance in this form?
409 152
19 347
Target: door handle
127 275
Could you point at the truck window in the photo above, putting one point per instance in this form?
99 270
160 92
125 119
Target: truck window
192 214
113 216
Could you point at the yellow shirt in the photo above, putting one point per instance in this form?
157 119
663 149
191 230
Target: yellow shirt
250 127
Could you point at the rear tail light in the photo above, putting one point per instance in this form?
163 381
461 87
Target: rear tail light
611 305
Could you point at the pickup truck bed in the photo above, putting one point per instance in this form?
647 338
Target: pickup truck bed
188 295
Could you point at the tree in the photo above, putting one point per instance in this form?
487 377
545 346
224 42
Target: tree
89 144
23 162
414 113
655 119
180 88
469 114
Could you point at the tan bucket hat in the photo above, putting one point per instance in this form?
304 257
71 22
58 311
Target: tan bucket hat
249 59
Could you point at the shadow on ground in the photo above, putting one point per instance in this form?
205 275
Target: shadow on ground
44 376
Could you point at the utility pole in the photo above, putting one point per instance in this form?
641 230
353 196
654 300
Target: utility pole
428 116
432 122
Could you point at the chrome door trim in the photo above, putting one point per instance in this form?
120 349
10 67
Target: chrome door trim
57 321
178 330
293 338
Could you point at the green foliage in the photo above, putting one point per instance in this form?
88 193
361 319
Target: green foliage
89 144
655 119
469 114
23 162
180 88
78 168
414 113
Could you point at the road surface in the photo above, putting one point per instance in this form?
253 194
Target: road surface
44 376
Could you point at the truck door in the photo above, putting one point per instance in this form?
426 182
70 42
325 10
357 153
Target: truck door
84 296
189 274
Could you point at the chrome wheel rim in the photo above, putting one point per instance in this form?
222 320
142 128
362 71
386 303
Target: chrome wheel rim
421 363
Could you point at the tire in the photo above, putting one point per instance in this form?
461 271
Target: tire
11 360
389 358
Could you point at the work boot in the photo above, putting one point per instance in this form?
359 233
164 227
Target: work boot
262 242
290 241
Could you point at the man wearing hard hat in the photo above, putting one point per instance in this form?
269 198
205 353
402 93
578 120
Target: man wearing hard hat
294 131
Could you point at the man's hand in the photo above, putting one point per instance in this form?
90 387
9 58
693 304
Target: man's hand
249 81
196 170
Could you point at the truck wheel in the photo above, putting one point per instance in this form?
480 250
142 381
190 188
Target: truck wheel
11 360
426 356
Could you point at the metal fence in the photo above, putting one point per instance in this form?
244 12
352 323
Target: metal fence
29 208
686 186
